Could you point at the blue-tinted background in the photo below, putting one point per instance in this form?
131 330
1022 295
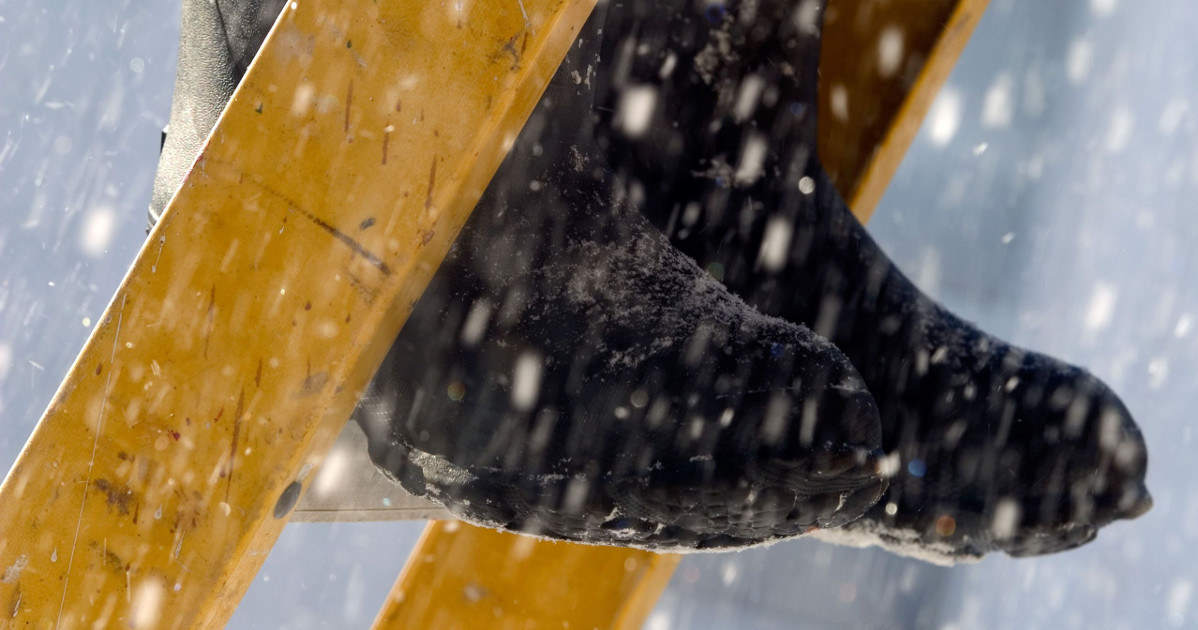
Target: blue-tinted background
1049 197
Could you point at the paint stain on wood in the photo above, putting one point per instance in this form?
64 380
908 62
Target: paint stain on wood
121 498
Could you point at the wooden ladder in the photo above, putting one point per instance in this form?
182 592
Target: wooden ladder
199 412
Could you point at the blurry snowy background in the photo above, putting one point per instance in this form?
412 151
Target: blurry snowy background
1049 197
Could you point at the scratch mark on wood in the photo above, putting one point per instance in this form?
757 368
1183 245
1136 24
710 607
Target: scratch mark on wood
236 435
349 242
432 181
116 335
523 13
211 318
258 375
349 102
386 143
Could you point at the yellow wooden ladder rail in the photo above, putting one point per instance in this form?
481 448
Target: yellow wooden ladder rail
331 188
467 577
171 457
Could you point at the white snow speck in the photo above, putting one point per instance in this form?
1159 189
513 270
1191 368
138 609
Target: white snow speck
945 117
999 105
890 465
806 185
667 66
147 604
1184 324
928 276
730 573
1102 306
806 16
576 495
1173 114
635 110
1079 60
1110 430
476 322
838 99
775 246
302 101
1006 518
1178 602
97 231
526 384
752 160
332 473
1158 372
890 50
659 620
748 97
1103 8
807 422
773 428
1119 132
5 360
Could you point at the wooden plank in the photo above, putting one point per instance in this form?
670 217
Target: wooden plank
882 63
233 351
467 577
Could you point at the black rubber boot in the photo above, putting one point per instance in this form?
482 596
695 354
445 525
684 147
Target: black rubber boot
992 447
705 115
570 374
